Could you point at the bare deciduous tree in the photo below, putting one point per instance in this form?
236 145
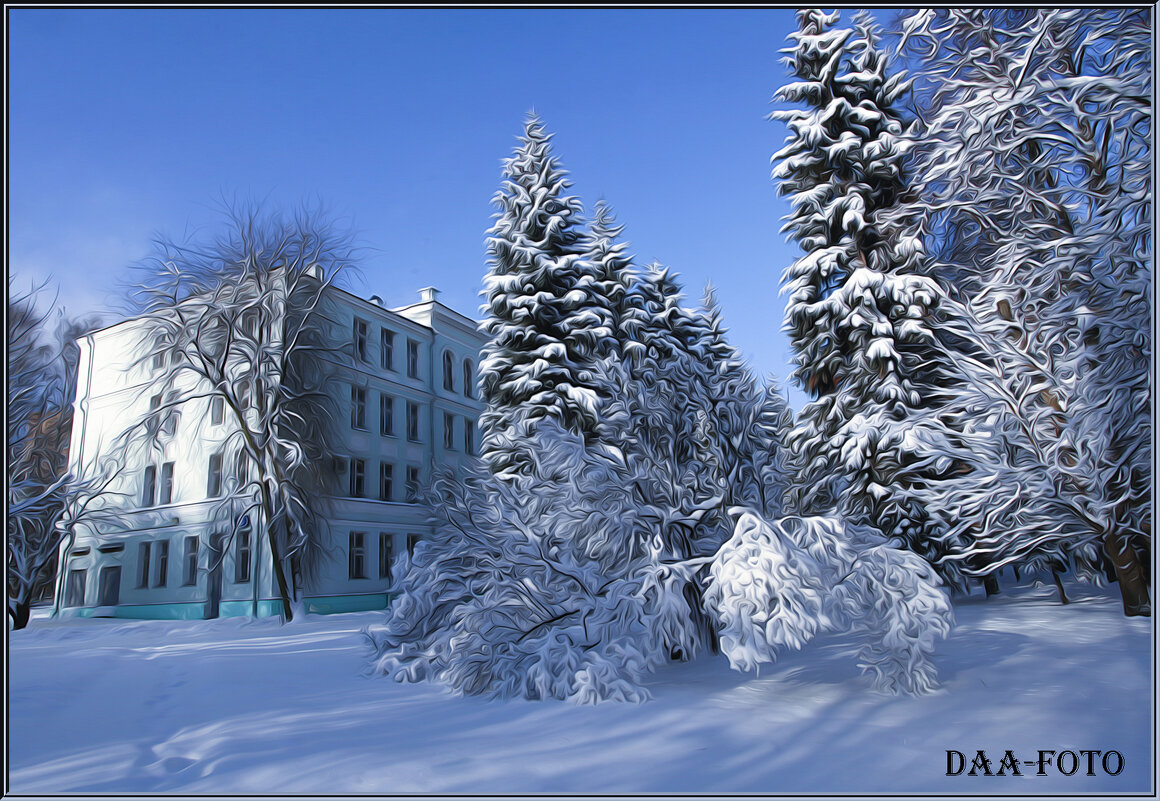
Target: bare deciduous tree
41 384
242 319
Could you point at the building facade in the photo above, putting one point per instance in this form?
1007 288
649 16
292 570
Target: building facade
155 543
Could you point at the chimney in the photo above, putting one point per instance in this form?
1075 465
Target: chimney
429 295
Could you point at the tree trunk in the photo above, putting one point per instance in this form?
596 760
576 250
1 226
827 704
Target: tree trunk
1059 586
279 575
23 612
1130 573
991 585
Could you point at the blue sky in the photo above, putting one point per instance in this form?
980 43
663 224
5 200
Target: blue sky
126 124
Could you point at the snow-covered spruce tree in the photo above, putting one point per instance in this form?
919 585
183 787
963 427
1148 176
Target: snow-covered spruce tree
750 424
1036 199
547 314
543 578
533 584
859 312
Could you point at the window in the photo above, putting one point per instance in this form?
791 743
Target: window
387 341
191 548
153 422
448 371
358 407
242 553
469 437
109 586
386 481
412 487
386 415
386 554
412 358
448 431
217 410
214 483
250 323
412 541
358 477
74 591
358 555
149 487
162 576
166 490
468 379
412 421
360 339
241 469
170 415
144 550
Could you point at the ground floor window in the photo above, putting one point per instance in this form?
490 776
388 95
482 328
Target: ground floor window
74 592
191 547
358 555
242 554
144 557
109 587
386 554
412 541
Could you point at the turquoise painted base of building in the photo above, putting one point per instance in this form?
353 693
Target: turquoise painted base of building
196 611
337 604
186 611
267 608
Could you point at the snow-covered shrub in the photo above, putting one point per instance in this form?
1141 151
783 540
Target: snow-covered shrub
776 584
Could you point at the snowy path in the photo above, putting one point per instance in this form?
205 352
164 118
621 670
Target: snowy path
255 707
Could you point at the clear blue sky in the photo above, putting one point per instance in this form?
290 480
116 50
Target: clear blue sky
125 124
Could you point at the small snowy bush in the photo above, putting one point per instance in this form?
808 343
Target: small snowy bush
774 585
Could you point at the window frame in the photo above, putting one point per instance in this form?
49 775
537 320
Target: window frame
386 555
144 560
360 330
243 547
192 548
387 348
386 415
411 487
448 371
165 485
448 431
358 478
468 379
358 407
215 481
149 487
412 358
413 422
161 573
74 588
356 556
386 481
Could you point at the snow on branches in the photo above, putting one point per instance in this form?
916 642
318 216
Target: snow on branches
776 584
533 585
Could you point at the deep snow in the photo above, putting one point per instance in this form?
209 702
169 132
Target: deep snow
233 706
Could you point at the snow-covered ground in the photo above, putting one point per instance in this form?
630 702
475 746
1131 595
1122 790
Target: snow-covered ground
232 706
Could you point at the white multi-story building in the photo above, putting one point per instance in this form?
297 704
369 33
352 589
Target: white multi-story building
154 545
